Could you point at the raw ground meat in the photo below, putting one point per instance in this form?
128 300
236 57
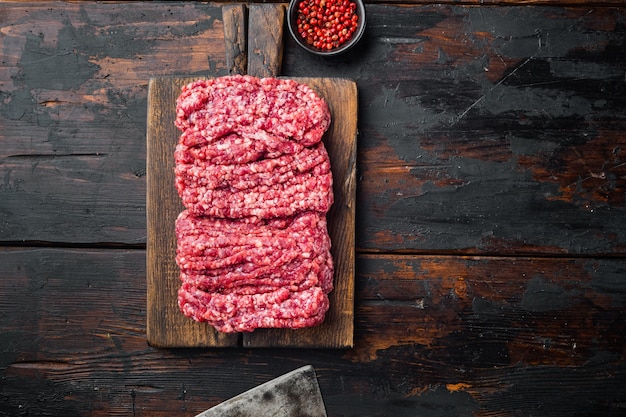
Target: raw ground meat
207 110
267 171
296 275
229 313
237 149
216 254
255 178
307 193
271 187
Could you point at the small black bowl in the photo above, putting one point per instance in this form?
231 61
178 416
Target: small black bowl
292 18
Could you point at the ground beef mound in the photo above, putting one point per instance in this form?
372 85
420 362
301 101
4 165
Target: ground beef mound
270 187
218 254
208 110
234 312
254 176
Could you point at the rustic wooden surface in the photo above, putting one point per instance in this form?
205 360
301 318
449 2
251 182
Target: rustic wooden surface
491 242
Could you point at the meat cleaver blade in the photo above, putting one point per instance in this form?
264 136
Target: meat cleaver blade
295 394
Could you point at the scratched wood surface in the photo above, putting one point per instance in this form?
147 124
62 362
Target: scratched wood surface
491 246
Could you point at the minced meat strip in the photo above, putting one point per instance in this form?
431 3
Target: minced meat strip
305 192
276 187
219 253
237 149
210 109
234 312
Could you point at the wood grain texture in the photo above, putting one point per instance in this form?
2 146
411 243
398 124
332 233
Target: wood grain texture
462 336
540 138
265 39
560 3
73 81
489 130
235 17
494 131
167 327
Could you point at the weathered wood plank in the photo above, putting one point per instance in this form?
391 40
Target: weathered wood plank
489 130
265 39
536 310
433 336
73 85
235 17
540 137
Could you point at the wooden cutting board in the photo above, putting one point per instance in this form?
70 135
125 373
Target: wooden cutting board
166 325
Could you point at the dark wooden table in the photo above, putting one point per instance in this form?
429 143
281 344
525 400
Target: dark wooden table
491 217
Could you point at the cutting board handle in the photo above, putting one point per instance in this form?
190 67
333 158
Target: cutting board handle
265 39
235 18
253 38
